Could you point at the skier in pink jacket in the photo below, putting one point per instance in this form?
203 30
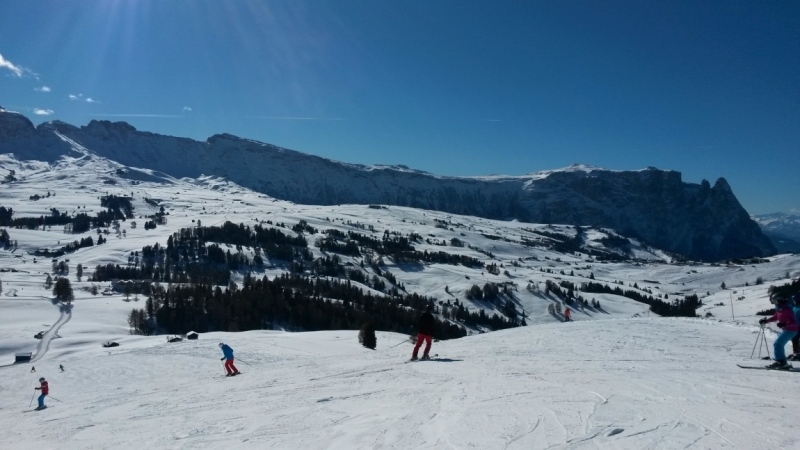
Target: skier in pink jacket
784 315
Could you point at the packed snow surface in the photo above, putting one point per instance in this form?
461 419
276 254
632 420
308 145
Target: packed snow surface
625 383
616 377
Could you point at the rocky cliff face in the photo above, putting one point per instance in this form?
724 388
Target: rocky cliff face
699 221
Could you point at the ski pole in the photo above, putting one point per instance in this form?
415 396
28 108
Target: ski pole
758 339
239 360
32 396
59 401
766 344
403 342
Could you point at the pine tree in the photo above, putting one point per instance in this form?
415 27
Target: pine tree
63 290
79 271
366 336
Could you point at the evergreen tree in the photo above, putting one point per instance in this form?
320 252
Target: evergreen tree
79 271
366 336
63 290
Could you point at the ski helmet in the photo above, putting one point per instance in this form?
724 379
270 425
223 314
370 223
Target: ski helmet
41 379
778 298
221 344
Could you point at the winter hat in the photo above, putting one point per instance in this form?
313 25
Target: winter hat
221 344
41 379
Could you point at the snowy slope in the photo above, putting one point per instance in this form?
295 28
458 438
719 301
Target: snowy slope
616 378
635 383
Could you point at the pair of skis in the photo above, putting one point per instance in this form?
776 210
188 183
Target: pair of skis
786 369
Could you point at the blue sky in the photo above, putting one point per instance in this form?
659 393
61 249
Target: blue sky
710 89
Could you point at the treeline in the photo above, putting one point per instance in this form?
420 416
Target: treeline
399 248
69 248
189 258
288 301
685 307
118 208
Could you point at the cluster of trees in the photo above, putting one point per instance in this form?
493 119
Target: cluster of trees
399 248
55 218
188 259
118 208
5 239
69 248
288 301
685 307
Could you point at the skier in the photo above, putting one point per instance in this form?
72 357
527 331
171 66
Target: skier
567 314
33 369
61 366
784 315
45 390
427 326
796 340
228 357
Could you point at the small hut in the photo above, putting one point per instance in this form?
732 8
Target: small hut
23 357
192 336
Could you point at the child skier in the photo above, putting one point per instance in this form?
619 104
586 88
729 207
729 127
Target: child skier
567 314
45 390
784 315
227 353
427 326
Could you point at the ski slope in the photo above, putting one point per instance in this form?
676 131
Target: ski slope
624 383
614 378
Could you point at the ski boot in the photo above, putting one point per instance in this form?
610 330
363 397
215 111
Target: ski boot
780 364
414 358
426 358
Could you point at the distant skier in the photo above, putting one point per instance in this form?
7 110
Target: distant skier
45 390
33 369
427 326
228 357
784 315
61 366
567 315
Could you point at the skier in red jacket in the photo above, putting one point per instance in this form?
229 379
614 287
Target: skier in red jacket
45 390
567 315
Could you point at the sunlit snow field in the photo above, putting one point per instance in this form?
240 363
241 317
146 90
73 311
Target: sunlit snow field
615 378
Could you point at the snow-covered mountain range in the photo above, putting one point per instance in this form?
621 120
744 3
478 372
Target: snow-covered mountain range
782 228
616 376
698 220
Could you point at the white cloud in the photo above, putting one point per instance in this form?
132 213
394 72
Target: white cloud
90 100
75 97
7 64
186 108
42 89
42 112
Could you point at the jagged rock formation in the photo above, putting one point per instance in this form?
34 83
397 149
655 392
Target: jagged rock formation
699 221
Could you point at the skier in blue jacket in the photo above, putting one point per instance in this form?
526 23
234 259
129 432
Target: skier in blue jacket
796 339
227 353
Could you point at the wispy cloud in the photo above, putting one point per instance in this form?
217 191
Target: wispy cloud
42 112
42 89
187 109
80 97
8 65
135 115
293 118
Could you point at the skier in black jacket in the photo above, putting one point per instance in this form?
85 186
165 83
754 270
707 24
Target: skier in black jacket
427 326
